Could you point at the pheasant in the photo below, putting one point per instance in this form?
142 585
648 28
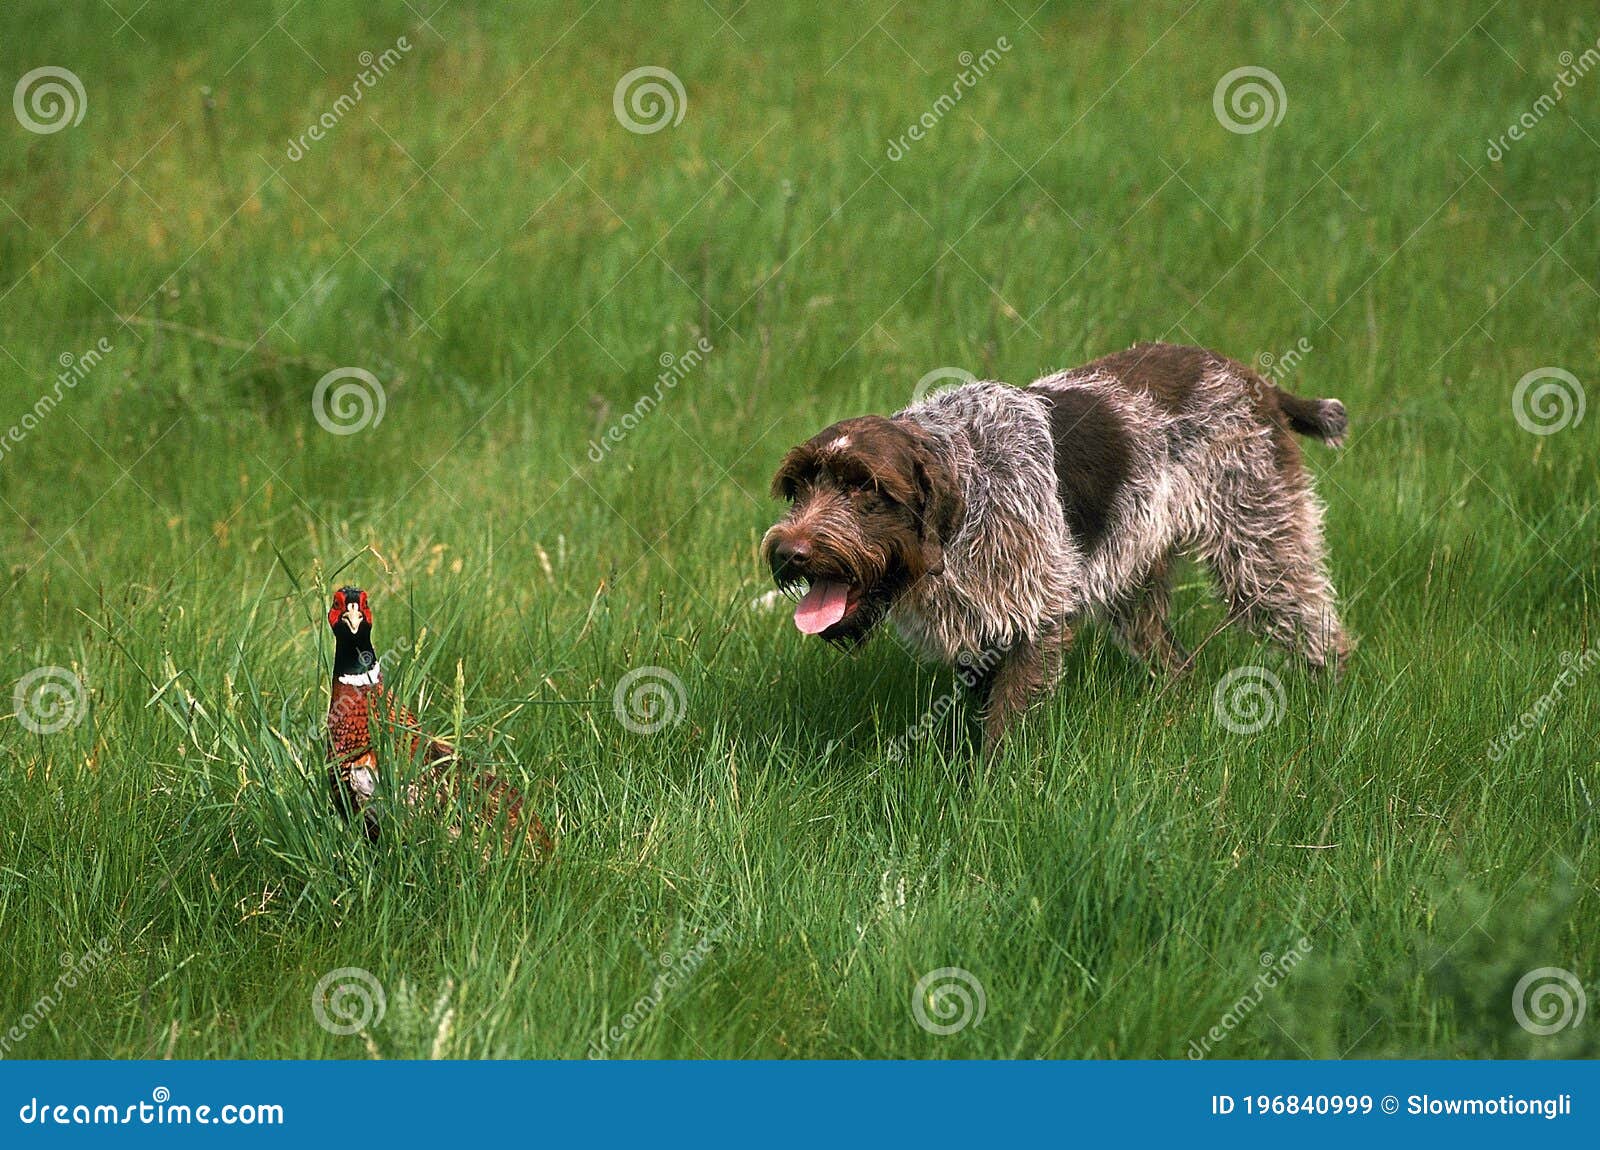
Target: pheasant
359 701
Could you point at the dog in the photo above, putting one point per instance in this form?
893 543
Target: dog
987 522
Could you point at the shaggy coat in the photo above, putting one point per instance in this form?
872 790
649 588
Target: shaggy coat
987 521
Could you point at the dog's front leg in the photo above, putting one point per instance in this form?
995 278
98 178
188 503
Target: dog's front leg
1022 674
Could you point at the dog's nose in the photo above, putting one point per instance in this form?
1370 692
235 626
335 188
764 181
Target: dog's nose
790 553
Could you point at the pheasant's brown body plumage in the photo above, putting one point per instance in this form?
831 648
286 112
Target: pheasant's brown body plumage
360 708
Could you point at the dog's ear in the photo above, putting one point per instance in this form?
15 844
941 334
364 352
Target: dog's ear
791 470
942 505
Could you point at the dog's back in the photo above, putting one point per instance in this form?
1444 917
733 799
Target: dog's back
1162 449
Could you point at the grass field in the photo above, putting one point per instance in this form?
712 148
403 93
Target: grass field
1369 874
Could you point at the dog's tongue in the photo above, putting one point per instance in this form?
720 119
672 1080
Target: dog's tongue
823 606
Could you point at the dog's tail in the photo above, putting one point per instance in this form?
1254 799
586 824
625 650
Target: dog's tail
1323 419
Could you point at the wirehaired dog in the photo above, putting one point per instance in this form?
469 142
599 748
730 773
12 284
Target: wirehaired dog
987 521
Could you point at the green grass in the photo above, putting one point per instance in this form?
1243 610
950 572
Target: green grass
171 529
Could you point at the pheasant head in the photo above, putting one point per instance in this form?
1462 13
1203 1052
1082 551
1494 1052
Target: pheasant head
355 660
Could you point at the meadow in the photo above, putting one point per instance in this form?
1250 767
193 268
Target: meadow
570 333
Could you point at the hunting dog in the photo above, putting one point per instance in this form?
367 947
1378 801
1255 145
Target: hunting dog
987 521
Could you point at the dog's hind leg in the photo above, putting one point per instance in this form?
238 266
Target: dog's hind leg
1271 568
1140 621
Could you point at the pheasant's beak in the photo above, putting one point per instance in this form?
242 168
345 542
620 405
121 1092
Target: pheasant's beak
352 618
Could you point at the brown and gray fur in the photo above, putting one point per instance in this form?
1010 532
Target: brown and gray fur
987 521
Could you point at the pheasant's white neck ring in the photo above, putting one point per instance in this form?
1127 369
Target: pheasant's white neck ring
366 679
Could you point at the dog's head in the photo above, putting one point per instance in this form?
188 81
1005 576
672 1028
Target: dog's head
872 503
